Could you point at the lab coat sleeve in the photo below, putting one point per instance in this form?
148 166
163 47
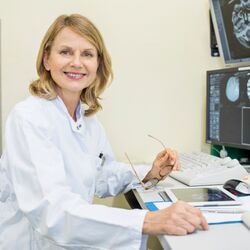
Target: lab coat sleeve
46 199
116 177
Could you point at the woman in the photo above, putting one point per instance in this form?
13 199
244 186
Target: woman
54 164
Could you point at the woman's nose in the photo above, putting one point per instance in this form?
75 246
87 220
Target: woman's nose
76 61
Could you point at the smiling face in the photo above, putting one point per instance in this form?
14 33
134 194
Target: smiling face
72 62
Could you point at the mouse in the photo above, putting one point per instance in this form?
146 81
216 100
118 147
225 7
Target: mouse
237 187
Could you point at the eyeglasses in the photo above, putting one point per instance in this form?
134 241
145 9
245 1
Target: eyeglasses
153 182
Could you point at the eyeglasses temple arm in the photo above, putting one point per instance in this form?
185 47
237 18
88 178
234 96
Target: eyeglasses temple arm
137 176
158 141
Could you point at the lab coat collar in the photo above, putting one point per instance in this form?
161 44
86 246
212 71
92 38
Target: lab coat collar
77 126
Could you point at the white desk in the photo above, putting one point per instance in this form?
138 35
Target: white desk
221 237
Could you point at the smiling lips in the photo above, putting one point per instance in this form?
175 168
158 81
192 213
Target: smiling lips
75 76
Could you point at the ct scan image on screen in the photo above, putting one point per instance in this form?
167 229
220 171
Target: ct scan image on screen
236 19
201 194
231 19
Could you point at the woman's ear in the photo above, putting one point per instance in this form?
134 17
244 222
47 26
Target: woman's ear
45 62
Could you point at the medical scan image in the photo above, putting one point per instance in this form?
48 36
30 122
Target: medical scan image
233 89
241 22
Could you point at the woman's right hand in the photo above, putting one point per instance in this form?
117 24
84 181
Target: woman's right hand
178 219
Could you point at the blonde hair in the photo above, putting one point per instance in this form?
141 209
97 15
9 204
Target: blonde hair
44 86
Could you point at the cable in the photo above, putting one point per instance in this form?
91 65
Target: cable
215 149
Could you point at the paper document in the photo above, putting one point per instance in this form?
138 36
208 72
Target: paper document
213 215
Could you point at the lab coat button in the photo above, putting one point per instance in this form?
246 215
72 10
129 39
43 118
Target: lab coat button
79 126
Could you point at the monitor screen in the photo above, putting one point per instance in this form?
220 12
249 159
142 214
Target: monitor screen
231 20
201 194
228 107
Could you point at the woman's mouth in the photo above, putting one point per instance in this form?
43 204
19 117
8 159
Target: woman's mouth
74 76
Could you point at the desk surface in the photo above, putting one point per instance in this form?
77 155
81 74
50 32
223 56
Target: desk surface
221 237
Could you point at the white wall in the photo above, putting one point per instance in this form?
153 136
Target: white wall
160 51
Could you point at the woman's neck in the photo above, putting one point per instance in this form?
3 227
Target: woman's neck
71 102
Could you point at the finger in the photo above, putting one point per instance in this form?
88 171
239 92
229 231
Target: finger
177 166
162 154
179 231
165 171
203 223
172 228
169 157
175 230
161 160
187 225
193 219
173 157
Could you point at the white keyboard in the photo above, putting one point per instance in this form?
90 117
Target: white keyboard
203 169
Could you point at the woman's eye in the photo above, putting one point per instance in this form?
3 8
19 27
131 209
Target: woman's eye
64 52
88 54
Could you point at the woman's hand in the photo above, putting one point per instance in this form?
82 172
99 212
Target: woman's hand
178 219
164 163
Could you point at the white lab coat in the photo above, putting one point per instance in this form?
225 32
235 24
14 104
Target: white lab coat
50 171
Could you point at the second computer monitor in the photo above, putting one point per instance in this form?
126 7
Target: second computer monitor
228 107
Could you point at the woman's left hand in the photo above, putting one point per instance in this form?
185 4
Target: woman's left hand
164 163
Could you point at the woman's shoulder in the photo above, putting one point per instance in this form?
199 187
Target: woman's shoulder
31 103
31 109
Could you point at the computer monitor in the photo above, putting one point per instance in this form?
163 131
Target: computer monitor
228 107
231 20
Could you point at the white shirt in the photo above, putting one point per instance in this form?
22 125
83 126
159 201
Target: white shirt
50 172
